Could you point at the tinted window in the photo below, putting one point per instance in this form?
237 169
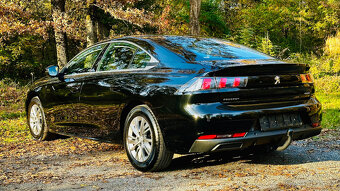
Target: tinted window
140 59
205 49
118 56
84 61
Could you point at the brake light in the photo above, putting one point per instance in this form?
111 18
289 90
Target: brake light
206 83
306 78
223 82
236 82
210 83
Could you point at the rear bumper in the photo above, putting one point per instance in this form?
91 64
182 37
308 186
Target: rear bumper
253 138
181 128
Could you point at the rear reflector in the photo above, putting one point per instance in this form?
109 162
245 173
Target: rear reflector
234 135
239 134
207 137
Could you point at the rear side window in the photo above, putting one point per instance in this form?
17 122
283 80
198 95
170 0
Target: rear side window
84 61
140 59
118 56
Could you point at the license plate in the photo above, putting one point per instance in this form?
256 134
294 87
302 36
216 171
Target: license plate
280 121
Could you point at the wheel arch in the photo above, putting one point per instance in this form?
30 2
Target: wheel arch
30 96
125 111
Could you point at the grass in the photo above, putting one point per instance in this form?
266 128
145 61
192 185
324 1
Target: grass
331 109
14 130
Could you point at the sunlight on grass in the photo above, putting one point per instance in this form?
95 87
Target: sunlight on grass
331 109
14 130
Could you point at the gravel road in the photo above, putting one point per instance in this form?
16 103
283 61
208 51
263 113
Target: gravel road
305 165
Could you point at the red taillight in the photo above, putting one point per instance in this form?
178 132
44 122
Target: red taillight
306 78
316 124
209 83
234 135
206 83
236 82
223 82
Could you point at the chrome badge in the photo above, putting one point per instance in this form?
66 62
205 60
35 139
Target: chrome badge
277 80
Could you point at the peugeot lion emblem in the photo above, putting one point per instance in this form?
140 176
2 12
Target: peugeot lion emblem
277 80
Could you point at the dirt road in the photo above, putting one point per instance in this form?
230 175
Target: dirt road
77 164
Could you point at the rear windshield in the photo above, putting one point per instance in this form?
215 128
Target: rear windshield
207 49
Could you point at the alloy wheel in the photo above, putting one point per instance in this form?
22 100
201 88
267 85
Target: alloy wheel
36 119
139 139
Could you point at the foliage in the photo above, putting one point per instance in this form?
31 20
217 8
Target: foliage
277 27
332 51
296 25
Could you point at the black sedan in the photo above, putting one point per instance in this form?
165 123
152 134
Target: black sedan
160 95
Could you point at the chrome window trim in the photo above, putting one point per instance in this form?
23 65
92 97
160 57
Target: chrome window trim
108 72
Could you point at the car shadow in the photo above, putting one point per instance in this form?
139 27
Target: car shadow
293 155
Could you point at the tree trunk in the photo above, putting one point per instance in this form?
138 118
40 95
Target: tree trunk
91 31
195 8
102 31
58 11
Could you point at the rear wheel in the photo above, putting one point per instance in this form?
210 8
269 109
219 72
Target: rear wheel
143 141
36 120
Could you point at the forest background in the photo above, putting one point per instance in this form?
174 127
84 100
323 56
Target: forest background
37 33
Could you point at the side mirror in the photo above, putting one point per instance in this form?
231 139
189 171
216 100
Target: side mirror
52 70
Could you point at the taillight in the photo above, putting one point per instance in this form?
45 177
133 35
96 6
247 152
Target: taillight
210 83
317 124
206 83
306 78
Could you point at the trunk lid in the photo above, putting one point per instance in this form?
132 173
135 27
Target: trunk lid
270 82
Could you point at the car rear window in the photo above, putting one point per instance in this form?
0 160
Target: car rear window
207 49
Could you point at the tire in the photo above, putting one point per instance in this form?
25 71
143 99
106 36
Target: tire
36 120
143 141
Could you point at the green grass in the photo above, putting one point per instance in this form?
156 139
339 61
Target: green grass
331 109
14 130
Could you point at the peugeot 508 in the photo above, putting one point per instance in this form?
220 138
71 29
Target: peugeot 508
160 95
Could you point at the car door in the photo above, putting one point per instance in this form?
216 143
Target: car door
105 94
63 96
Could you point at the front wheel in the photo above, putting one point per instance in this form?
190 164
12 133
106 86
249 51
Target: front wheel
143 141
36 120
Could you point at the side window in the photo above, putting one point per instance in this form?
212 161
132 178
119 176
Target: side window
118 56
84 61
140 59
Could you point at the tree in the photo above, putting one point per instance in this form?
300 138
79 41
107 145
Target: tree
91 32
195 8
58 12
